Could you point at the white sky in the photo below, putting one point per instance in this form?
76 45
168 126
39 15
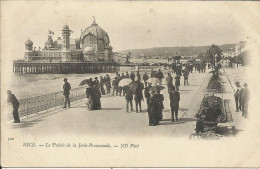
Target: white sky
129 25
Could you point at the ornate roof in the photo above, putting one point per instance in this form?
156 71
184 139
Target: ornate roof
94 30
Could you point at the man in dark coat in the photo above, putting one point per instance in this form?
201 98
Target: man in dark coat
138 95
101 83
160 76
66 92
236 95
129 98
132 76
138 76
13 100
244 99
147 95
169 80
127 75
152 74
174 103
145 78
108 83
186 77
177 82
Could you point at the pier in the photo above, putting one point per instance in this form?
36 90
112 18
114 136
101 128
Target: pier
21 67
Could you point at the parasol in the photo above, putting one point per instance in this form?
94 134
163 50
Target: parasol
84 82
124 82
153 81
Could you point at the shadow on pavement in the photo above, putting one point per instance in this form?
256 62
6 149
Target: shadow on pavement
25 124
186 90
172 123
111 108
167 110
227 131
188 119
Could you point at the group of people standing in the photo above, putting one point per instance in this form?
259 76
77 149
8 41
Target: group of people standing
242 98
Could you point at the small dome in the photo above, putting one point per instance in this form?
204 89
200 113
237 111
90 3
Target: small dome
29 42
66 27
89 49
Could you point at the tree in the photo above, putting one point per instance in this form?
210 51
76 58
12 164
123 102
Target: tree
212 52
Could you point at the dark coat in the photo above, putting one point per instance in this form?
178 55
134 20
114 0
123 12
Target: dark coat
12 99
147 94
174 99
145 77
156 103
132 76
169 80
160 75
128 94
66 88
138 92
177 81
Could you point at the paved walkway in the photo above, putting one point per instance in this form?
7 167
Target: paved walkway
113 120
233 75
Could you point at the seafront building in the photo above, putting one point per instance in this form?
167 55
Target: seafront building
89 53
92 45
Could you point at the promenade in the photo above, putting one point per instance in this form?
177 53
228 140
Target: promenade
113 120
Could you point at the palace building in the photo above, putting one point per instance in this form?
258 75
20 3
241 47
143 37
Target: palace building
92 46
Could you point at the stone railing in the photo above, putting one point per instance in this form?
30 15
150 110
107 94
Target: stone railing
34 105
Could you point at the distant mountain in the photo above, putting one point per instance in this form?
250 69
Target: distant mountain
172 51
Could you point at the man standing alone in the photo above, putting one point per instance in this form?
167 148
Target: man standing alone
236 95
244 98
66 92
174 103
13 100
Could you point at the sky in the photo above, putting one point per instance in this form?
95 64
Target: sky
130 25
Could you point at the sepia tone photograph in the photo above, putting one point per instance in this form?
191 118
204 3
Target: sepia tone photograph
129 84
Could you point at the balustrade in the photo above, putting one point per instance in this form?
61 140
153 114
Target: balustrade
37 104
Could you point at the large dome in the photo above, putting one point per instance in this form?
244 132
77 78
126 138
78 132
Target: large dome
94 36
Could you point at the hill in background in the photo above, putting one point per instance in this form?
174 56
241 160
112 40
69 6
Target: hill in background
172 51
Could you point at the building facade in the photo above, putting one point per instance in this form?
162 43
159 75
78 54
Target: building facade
92 46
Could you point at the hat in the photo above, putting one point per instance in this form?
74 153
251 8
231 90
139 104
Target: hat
237 82
245 85
9 91
65 79
96 77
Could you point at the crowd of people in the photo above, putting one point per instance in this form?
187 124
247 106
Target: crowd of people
139 85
